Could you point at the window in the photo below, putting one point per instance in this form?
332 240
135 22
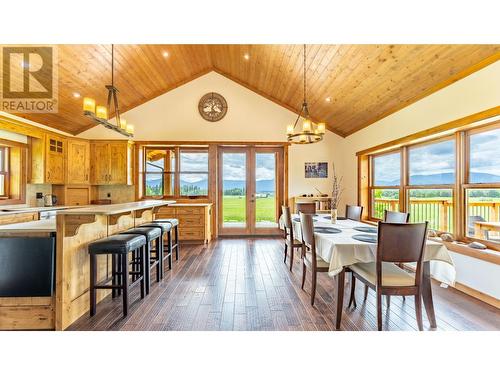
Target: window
175 172
4 172
193 174
452 181
385 190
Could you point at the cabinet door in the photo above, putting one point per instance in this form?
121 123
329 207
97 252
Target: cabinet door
119 163
78 166
99 169
54 164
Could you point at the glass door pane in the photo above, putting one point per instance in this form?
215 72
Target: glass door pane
234 190
265 190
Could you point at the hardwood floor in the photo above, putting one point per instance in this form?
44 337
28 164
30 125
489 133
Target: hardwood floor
243 284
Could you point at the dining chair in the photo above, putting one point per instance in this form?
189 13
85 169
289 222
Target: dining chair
397 243
353 212
306 207
396 217
290 241
392 217
310 259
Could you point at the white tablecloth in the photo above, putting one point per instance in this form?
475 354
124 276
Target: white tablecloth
342 250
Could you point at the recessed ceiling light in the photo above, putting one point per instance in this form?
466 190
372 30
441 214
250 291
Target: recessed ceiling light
165 54
329 99
76 95
246 56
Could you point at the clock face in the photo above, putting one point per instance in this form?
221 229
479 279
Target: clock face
212 107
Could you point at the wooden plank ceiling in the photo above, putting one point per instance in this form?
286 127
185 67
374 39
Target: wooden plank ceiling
349 86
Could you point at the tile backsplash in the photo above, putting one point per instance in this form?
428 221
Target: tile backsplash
32 189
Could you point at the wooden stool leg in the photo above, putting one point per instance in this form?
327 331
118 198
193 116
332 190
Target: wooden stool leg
169 240
93 281
159 259
114 274
146 258
177 242
119 277
145 269
125 282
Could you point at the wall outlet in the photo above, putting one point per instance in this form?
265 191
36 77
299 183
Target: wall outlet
109 195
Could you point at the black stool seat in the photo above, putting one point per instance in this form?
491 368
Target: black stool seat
165 227
172 221
117 244
151 233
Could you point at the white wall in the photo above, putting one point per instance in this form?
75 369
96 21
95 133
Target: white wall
174 117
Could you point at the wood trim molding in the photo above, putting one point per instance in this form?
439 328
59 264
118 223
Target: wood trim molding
455 125
208 143
489 256
490 300
464 73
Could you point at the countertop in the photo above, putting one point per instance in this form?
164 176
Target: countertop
37 226
23 210
190 204
112 209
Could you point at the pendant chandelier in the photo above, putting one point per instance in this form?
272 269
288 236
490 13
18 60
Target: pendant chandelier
310 132
99 113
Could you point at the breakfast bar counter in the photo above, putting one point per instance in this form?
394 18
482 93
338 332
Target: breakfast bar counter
64 242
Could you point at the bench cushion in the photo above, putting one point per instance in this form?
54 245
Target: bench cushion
151 233
172 221
165 227
117 244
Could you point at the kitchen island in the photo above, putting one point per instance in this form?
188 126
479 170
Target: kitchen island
73 230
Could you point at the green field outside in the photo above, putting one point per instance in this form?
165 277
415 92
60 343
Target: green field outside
234 209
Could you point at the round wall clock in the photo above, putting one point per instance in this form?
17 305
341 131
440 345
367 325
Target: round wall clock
212 107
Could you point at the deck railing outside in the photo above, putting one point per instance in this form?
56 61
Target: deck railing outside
439 212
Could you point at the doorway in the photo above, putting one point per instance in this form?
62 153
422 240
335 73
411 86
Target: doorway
251 185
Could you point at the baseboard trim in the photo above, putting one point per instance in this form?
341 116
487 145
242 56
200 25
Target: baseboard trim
478 295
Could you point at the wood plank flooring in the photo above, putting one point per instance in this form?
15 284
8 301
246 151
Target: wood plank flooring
243 284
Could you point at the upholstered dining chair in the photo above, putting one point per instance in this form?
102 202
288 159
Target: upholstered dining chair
393 217
397 243
310 259
290 241
396 217
306 207
353 212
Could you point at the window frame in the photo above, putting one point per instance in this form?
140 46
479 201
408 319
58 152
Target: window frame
193 150
461 135
176 173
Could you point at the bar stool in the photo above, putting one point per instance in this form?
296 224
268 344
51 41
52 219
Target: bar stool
175 225
165 228
154 254
119 246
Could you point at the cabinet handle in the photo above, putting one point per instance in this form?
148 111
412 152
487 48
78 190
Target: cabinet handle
48 175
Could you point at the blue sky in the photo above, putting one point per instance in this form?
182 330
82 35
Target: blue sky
234 166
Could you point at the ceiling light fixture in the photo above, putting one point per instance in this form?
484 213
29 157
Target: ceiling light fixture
310 133
329 99
76 95
246 56
165 54
99 113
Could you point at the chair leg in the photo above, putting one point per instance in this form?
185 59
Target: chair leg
125 282
379 310
291 257
388 301
418 311
352 299
286 251
366 293
93 281
169 240
114 278
159 258
304 269
177 242
313 285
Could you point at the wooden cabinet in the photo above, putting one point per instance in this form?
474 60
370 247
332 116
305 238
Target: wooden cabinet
48 156
194 220
111 163
69 195
78 162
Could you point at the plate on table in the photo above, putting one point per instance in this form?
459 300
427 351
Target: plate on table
370 238
297 219
329 217
326 230
366 229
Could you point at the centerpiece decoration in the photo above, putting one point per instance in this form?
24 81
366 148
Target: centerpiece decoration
337 191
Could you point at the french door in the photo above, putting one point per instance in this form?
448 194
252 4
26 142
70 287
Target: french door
251 185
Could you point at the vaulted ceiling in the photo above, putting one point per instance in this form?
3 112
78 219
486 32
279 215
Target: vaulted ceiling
349 86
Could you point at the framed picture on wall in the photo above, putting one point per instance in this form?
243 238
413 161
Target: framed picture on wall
316 170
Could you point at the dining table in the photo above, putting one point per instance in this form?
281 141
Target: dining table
346 242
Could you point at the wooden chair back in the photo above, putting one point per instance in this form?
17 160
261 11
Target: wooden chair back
396 217
306 207
307 229
401 243
287 217
353 212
